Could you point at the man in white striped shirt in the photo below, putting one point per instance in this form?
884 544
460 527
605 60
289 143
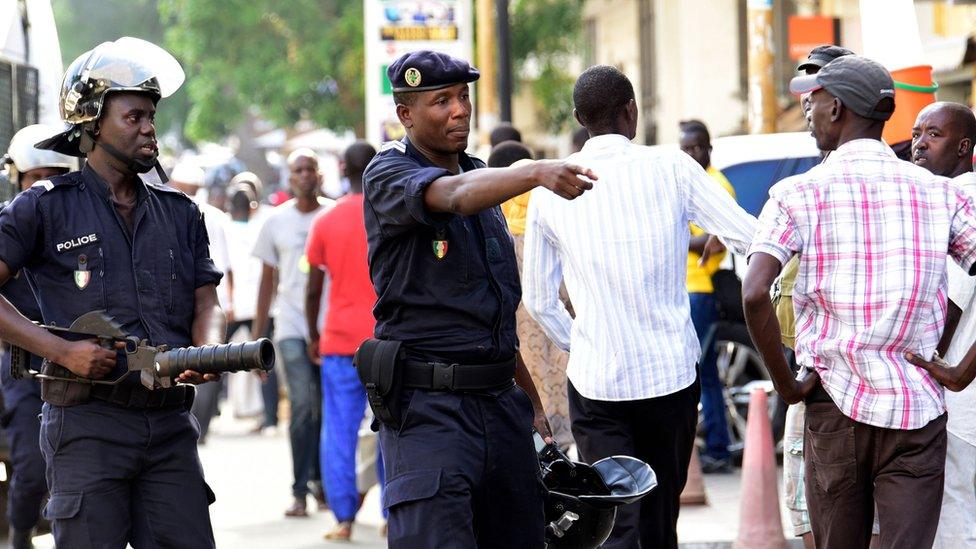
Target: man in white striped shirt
623 252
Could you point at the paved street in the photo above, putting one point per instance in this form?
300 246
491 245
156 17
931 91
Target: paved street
251 477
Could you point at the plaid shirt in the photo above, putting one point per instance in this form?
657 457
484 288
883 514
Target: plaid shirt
872 233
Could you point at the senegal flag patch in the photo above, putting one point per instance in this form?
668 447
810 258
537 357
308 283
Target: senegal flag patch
440 248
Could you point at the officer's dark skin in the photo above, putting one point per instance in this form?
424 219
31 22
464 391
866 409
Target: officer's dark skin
437 123
127 124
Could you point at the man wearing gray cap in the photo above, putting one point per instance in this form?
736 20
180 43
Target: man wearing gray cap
872 234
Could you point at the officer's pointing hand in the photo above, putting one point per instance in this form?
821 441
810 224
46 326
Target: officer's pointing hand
87 358
563 178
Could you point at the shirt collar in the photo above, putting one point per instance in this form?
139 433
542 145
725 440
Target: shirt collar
605 141
465 162
861 147
100 186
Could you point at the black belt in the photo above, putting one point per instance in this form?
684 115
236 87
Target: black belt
137 396
818 394
443 376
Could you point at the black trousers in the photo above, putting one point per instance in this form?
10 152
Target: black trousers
659 431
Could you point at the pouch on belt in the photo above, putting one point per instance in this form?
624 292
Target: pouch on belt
379 366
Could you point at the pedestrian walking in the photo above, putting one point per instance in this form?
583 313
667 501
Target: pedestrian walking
633 385
281 248
337 247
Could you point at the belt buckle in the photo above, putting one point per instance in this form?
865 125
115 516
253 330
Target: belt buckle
442 376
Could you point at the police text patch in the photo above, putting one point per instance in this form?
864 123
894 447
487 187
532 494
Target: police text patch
77 241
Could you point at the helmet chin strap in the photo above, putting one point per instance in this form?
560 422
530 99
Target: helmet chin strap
137 165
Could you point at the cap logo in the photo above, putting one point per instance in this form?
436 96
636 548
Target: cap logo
412 77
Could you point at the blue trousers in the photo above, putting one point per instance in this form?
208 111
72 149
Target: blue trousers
304 429
27 484
463 472
343 405
703 316
122 476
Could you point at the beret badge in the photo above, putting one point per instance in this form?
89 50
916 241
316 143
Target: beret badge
412 77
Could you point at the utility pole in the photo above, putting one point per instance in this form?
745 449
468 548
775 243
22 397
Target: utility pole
762 92
487 88
504 60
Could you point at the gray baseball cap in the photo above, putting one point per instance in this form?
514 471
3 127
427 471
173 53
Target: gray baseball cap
821 55
862 85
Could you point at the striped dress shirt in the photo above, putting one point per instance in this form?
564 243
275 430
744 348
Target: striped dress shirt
872 233
622 250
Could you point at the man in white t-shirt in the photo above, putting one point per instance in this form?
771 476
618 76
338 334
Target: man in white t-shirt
281 248
942 142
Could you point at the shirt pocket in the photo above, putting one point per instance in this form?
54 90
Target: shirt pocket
175 282
85 269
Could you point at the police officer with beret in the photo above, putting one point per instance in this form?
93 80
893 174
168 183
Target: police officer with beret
460 462
121 460
22 397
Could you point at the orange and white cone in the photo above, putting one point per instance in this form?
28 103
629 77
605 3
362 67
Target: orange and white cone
694 492
760 523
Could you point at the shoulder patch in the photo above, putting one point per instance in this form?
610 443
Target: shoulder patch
45 183
398 146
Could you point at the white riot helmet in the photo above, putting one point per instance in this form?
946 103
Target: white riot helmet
23 157
125 65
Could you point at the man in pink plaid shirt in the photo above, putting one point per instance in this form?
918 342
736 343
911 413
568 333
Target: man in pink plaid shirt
872 233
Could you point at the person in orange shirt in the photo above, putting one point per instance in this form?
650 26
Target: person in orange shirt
696 142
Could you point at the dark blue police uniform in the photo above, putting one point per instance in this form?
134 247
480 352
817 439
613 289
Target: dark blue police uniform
461 469
122 467
21 422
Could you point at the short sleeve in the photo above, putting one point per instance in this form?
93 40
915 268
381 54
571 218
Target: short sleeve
394 187
21 231
962 231
204 270
777 234
264 248
315 245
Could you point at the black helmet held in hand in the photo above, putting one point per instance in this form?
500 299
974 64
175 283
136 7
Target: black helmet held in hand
582 500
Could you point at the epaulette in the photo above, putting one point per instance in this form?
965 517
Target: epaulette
399 146
46 185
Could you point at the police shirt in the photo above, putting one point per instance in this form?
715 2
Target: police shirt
447 285
80 256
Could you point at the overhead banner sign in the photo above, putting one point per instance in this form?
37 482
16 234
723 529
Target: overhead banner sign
396 27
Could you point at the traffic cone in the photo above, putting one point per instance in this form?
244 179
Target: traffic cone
694 492
760 524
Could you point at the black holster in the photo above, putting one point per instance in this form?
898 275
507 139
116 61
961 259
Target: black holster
379 364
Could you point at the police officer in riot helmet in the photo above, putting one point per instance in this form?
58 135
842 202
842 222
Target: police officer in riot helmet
122 464
22 397
456 437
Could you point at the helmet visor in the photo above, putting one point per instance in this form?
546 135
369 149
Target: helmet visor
131 62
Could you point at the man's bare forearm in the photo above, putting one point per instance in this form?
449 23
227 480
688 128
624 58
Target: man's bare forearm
524 380
952 322
23 333
765 332
265 295
477 190
313 297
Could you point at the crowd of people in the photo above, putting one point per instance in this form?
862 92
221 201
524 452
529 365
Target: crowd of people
458 308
